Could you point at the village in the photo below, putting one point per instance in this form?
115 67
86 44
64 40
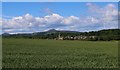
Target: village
81 37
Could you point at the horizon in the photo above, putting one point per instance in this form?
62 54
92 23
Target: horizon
53 29
25 17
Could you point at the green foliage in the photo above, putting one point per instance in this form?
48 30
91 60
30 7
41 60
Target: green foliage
102 35
38 53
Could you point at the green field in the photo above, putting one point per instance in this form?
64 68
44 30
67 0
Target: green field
37 53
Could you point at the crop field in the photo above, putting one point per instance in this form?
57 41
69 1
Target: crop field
38 53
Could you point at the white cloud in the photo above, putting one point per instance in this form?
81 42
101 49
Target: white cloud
54 18
71 20
105 17
108 15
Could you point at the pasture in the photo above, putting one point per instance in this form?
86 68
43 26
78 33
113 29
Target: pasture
38 53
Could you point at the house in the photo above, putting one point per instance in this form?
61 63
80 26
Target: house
59 37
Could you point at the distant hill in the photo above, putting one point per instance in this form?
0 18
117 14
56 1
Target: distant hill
108 34
5 34
56 31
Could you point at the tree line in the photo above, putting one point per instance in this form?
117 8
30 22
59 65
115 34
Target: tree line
101 35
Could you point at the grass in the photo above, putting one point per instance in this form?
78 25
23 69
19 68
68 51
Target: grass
37 53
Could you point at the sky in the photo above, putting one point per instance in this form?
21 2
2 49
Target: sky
26 17
60 0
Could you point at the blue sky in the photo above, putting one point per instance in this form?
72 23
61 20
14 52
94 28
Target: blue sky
38 8
41 16
60 0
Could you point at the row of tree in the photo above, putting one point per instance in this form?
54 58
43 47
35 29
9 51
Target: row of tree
104 35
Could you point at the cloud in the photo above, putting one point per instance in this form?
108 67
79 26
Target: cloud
71 20
48 11
102 18
107 16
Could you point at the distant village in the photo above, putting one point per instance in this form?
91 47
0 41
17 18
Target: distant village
81 37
